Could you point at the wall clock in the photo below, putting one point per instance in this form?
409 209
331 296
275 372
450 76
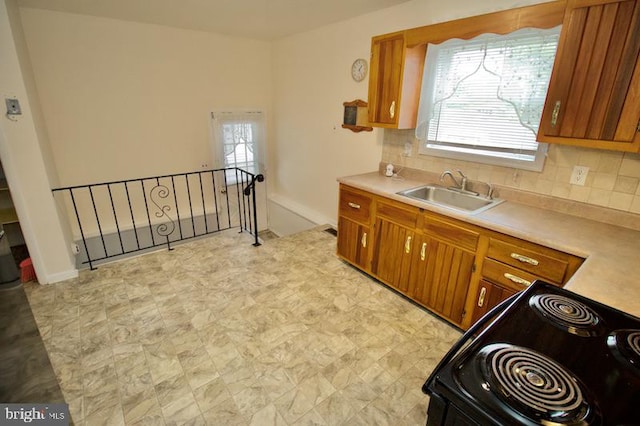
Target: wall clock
359 69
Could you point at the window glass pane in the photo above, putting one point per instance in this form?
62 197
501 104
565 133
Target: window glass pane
484 97
239 144
237 137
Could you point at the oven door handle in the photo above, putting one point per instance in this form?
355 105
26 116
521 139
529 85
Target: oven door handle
495 311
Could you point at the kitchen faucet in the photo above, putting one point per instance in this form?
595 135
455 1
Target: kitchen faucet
462 185
459 186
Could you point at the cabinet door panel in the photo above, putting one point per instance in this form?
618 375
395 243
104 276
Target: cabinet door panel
593 98
392 259
488 296
353 242
442 280
384 83
611 63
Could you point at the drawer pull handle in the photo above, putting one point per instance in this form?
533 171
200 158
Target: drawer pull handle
524 259
407 245
483 293
516 279
354 205
392 109
363 241
423 251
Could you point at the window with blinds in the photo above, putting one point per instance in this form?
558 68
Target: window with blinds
482 99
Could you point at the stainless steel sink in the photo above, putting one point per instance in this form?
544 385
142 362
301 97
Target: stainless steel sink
450 198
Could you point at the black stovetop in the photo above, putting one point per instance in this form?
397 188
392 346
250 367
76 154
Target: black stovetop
586 368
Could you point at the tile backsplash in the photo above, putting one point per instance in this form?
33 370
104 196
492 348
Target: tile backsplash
613 180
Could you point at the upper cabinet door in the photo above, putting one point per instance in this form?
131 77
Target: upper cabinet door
594 94
394 81
384 81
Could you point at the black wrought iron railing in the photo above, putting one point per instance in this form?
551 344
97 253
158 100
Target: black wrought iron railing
114 219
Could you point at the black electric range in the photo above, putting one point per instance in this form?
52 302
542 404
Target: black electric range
546 356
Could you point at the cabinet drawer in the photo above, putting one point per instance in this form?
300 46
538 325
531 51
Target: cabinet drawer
402 216
447 231
506 275
541 261
355 205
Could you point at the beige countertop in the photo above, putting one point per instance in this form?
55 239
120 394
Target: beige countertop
610 273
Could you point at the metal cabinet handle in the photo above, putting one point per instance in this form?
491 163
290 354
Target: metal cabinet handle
483 293
363 240
354 205
524 259
423 251
517 279
554 114
407 245
392 109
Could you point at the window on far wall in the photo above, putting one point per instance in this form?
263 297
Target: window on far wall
238 139
482 98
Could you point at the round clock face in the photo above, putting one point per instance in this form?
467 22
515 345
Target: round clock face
359 69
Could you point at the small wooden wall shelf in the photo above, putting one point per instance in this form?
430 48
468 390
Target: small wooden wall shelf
355 116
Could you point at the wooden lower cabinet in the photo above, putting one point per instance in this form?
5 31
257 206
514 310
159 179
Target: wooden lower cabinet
353 242
432 272
441 276
392 258
488 296
457 270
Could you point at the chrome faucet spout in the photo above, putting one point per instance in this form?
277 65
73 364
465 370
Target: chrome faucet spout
448 173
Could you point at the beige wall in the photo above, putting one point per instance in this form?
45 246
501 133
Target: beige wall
312 80
26 159
126 100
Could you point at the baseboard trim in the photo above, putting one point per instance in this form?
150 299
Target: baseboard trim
301 210
61 276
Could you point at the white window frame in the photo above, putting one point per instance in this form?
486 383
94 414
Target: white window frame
253 117
462 152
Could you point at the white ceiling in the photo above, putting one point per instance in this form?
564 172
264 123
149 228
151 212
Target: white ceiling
259 19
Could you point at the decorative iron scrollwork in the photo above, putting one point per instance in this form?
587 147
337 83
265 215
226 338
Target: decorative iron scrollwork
159 193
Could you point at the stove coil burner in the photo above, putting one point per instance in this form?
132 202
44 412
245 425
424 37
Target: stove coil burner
567 314
625 344
534 385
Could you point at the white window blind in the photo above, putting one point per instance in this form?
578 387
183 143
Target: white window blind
238 138
482 99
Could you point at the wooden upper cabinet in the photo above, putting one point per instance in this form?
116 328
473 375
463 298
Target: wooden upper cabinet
394 81
594 94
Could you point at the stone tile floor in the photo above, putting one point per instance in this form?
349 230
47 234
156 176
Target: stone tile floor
220 332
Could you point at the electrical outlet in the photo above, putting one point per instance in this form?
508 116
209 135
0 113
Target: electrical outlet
13 106
579 175
75 249
408 148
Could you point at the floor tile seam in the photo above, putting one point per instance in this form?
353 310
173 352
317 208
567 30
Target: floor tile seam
284 417
155 396
202 411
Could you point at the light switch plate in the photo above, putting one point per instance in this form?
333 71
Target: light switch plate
579 175
13 106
